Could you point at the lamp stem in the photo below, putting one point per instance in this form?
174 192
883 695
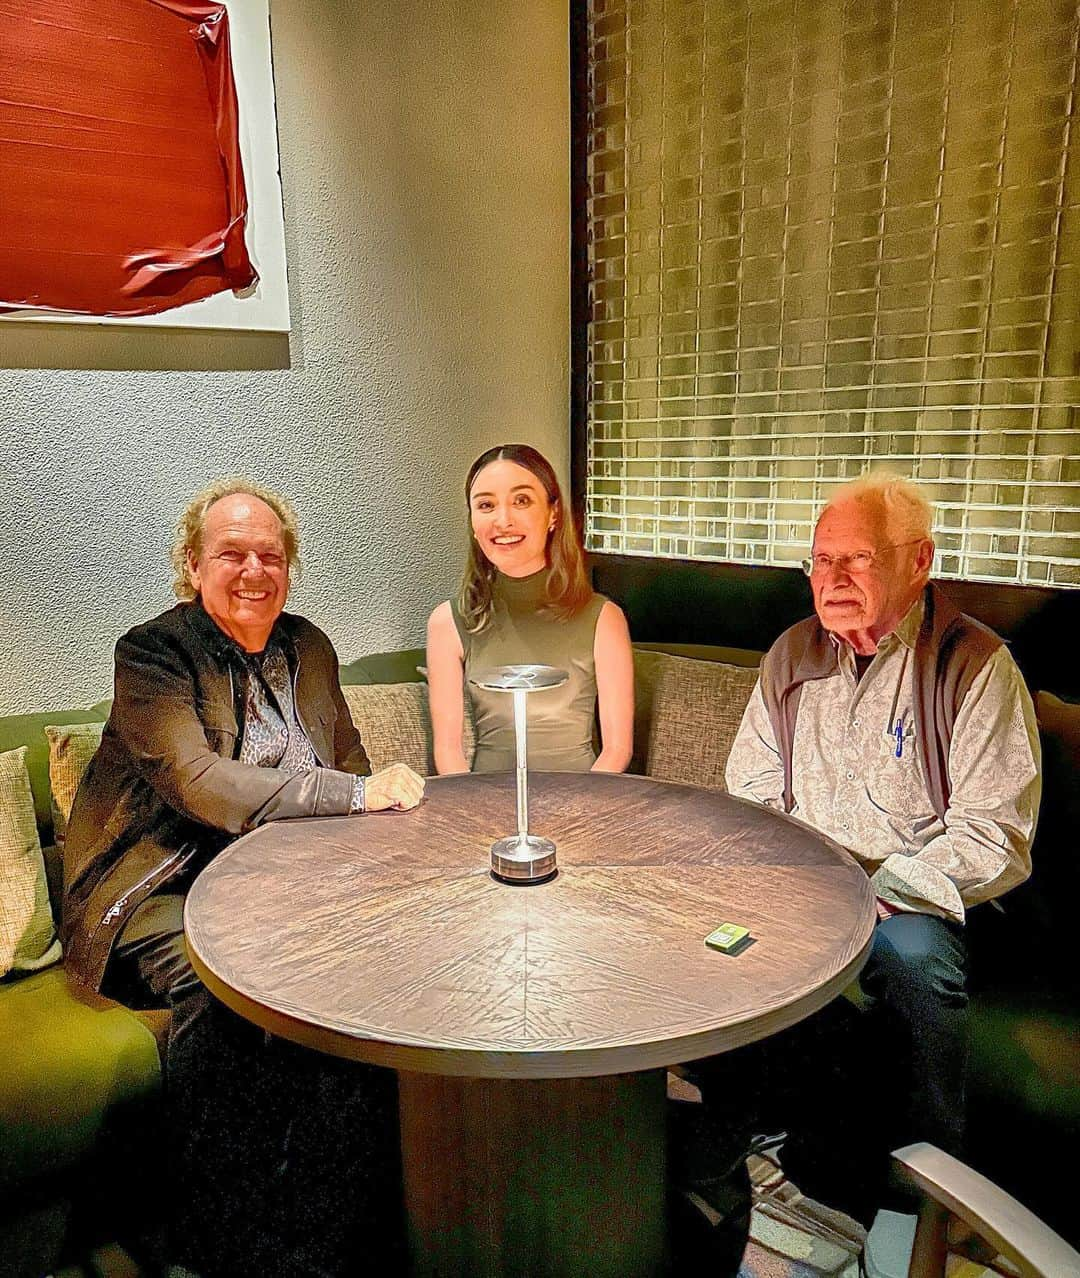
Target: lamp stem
522 770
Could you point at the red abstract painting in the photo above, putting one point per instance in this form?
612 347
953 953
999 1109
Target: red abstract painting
121 183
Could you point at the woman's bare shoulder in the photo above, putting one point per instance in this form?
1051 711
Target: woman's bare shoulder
442 615
443 633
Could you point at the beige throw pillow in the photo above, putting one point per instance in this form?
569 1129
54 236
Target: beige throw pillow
27 936
686 715
395 724
71 747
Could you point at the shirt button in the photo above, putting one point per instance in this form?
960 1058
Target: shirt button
843 825
851 776
856 722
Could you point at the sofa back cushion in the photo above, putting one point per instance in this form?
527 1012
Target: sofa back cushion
1041 909
1055 866
27 936
686 714
395 725
71 747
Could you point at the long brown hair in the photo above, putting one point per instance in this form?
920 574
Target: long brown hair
568 588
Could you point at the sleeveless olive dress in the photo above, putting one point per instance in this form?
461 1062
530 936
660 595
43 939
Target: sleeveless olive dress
561 720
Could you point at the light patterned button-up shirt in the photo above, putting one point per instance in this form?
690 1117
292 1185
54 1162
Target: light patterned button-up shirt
857 777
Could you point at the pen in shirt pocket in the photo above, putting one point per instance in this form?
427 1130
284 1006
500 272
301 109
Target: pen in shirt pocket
899 737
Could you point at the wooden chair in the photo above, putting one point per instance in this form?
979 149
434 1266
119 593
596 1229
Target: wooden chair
949 1188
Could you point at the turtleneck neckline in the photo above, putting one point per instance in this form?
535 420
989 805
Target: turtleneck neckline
521 594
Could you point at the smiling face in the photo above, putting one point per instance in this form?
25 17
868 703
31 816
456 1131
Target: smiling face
863 607
241 573
512 517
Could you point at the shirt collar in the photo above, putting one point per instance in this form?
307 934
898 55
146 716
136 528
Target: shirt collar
906 632
225 647
911 623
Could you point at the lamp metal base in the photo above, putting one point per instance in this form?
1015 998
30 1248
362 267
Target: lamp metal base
523 858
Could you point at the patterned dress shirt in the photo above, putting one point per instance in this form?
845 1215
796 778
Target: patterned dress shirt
856 776
273 736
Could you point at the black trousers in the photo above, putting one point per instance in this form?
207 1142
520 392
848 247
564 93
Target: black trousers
282 1162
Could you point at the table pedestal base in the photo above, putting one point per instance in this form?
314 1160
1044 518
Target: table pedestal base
555 1178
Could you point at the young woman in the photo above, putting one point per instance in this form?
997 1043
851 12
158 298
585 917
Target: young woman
526 598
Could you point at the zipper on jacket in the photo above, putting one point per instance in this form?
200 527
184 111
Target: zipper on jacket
117 908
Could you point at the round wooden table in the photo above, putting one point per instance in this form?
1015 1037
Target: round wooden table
531 1025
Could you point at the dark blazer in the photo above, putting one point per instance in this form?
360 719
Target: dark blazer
165 792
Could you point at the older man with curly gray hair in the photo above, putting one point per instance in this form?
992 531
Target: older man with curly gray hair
227 714
187 544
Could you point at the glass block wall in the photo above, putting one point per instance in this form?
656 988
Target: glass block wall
825 236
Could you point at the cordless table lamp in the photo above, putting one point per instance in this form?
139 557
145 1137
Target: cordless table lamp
521 857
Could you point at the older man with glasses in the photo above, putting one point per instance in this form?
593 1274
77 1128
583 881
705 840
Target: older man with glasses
903 730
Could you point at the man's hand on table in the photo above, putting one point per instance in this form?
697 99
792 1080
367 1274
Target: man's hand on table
396 787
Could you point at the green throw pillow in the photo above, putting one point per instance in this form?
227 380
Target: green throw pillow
27 935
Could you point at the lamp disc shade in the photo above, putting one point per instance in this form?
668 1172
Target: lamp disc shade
530 678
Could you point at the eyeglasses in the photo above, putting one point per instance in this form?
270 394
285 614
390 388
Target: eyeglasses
857 562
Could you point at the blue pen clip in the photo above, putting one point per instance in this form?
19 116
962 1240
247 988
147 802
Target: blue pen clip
899 737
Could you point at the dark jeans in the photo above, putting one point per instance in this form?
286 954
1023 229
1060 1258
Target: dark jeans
281 1162
850 1085
916 983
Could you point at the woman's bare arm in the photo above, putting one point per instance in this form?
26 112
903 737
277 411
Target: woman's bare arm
445 666
614 689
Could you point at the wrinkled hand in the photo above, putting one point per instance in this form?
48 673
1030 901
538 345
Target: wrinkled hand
397 787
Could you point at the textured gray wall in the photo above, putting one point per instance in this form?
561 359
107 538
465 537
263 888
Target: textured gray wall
424 166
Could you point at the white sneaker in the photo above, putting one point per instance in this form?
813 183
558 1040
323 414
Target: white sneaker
889 1244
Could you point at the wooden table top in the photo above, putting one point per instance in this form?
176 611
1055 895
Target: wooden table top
384 938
